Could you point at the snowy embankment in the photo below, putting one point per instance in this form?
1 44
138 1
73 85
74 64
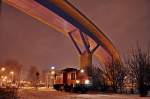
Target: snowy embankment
52 94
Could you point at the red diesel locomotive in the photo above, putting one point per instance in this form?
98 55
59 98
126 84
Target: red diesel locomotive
71 79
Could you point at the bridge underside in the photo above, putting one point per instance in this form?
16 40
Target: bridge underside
63 17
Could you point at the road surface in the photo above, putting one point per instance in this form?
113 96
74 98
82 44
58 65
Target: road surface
52 94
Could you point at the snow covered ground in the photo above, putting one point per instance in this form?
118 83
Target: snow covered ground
52 94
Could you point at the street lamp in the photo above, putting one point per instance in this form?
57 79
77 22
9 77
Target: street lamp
11 72
3 69
12 75
52 73
5 77
52 67
1 75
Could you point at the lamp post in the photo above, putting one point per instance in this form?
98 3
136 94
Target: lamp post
1 74
52 68
4 78
52 73
3 69
12 75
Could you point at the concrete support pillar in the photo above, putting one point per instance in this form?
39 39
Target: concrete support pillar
86 62
85 56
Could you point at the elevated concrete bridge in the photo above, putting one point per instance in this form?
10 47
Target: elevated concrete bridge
68 20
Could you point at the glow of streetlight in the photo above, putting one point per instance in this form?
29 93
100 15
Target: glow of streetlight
5 77
11 72
4 80
3 69
87 81
12 75
52 67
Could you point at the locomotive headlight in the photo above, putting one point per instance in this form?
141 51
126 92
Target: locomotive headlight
82 70
77 81
87 81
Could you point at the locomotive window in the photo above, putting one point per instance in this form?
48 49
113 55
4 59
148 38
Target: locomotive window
72 76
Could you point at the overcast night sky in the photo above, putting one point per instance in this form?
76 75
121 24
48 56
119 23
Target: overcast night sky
33 43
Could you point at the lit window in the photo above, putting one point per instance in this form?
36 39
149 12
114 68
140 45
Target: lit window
72 76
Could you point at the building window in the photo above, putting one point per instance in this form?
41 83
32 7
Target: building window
72 76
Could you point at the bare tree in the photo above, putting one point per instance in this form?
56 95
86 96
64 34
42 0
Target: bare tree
114 74
37 78
15 66
139 66
33 75
97 78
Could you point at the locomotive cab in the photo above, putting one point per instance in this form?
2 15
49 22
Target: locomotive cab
71 79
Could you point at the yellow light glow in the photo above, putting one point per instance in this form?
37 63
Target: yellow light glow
3 69
82 70
11 72
87 81
52 67
77 81
2 76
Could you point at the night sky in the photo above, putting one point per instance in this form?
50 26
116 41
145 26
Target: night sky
33 43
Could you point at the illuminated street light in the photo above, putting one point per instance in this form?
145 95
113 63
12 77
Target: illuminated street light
2 77
5 77
12 75
87 81
77 81
4 80
11 72
3 69
1 74
52 67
